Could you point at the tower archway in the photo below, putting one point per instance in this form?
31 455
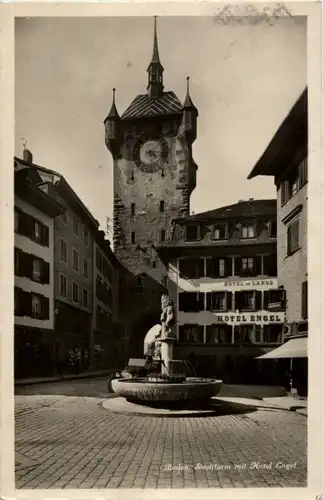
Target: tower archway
138 333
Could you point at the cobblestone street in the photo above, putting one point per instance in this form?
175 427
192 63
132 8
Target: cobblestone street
65 439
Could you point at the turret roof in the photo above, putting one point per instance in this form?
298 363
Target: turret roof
144 106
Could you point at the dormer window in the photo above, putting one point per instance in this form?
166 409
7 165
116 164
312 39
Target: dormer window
220 232
192 232
248 231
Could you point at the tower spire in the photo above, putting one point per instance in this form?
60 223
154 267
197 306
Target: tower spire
155 69
113 111
188 103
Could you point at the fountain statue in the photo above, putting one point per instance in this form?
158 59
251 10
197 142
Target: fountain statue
165 387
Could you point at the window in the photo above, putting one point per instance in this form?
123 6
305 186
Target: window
63 250
86 236
85 297
218 268
86 268
191 268
294 181
162 206
216 301
37 231
162 235
133 237
293 237
133 208
75 226
219 334
220 232
248 266
243 334
37 270
273 333
75 260
270 265
75 292
64 217
248 231
16 221
98 260
258 333
62 285
273 229
191 334
192 232
274 300
36 309
304 300
248 301
191 301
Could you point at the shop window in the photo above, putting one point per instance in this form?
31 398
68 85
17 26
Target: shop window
191 268
192 232
191 301
273 334
243 334
220 232
191 334
293 237
218 334
258 333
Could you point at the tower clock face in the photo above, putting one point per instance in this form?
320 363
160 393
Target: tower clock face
150 154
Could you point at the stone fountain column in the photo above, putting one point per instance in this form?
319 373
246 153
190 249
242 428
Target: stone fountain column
168 338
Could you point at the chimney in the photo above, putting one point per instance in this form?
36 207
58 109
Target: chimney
240 201
251 199
27 156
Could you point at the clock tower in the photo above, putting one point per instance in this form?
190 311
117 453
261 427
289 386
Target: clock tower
154 171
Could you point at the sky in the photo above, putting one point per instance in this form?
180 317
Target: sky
244 79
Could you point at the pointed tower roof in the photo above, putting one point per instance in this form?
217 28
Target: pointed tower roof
155 57
113 113
188 103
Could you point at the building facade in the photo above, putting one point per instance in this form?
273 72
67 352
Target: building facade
34 303
222 275
154 171
286 160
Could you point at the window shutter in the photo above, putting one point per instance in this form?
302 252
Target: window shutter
17 257
237 265
283 192
201 301
45 235
209 268
229 301
45 308
26 304
45 272
293 236
228 267
258 265
266 299
258 300
238 300
200 268
304 300
266 265
208 301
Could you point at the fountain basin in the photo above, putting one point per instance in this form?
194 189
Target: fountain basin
190 390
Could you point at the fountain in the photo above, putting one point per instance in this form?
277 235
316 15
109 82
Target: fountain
162 387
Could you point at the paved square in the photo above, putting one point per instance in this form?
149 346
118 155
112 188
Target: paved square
70 441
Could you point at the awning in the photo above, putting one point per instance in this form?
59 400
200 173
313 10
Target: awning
293 348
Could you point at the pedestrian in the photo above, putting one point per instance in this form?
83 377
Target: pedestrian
77 360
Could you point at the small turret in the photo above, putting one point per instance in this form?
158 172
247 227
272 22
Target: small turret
112 125
190 114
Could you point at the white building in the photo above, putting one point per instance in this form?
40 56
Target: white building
35 210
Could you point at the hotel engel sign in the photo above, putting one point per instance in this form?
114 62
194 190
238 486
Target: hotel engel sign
231 318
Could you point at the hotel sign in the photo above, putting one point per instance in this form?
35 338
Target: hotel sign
252 318
251 284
